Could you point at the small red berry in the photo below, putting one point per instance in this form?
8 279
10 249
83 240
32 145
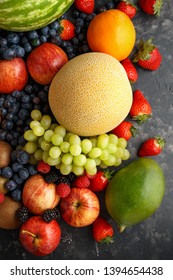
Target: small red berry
2 197
63 189
43 167
81 182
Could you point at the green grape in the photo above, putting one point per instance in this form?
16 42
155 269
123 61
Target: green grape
78 170
53 126
104 155
45 121
45 146
95 152
32 160
38 154
67 159
86 146
53 161
30 147
75 149
119 153
67 136
48 135
103 166
45 156
60 130
38 130
90 163
57 166
126 154
92 171
97 161
79 160
29 135
122 143
102 141
110 161
54 152
74 139
65 146
65 169
112 148
57 139
36 115
113 139
118 162
94 142
40 139
34 124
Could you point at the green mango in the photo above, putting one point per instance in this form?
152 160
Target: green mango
135 192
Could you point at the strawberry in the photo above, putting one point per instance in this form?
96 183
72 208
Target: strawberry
99 181
125 130
43 167
63 189
2 197
81 182
85 6
130 69
67 29
128 8
140 109
102 231
148 55
151 7
151 147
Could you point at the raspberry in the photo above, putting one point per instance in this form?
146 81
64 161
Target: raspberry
63 189
81 182
2 197
43 167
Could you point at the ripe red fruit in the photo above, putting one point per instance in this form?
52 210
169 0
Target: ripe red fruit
102 231
67 30
125 130
81 182
152 147
130 69
148 55
141 109
128 8
2 197
85 6
99 181
43 167
63 189
151 7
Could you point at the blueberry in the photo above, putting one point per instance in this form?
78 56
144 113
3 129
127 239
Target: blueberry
79 22
26 99
44 30
85 48
27 47
14 155
81 36
101 9
16 94
2 99
52 32
64 44
9 136
36 42
14 108
75 41
22 157
9 54
14 143
24 40
26 106
23 113
28 88
17 179
7 124
56 40
16 194
3 112
69 49
43 39
7 103
71 55
32 35
77 29
16 166
7 172
32 169
3 42
20 123
23 173
110 5
3 134
76 14
13 38
20 52
55 25
21 140
11 185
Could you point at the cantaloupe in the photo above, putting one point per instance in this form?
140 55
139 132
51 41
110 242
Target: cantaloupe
90 94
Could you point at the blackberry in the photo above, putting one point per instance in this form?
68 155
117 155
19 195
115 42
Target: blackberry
51 177
71 177
50 214
23 214
63 179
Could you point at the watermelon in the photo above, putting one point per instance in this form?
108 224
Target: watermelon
25 15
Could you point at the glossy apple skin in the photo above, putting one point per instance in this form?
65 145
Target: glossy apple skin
14 75
38 195
80 208
45 61
38 237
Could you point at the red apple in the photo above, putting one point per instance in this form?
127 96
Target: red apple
14 75
38 237
38 195
80 208
45 61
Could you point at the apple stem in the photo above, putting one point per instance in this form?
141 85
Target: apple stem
30 233
121 228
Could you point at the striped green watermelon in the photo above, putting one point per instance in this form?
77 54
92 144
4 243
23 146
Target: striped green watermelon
25 15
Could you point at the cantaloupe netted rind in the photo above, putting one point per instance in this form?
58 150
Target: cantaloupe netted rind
90 94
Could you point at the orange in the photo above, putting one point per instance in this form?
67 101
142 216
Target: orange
112 32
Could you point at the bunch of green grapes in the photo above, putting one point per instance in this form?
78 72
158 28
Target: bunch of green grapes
67 151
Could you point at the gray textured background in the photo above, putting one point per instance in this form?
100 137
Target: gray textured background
153 238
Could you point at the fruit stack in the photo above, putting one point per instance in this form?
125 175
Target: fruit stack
66 93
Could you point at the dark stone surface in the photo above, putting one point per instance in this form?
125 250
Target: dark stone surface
153 238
